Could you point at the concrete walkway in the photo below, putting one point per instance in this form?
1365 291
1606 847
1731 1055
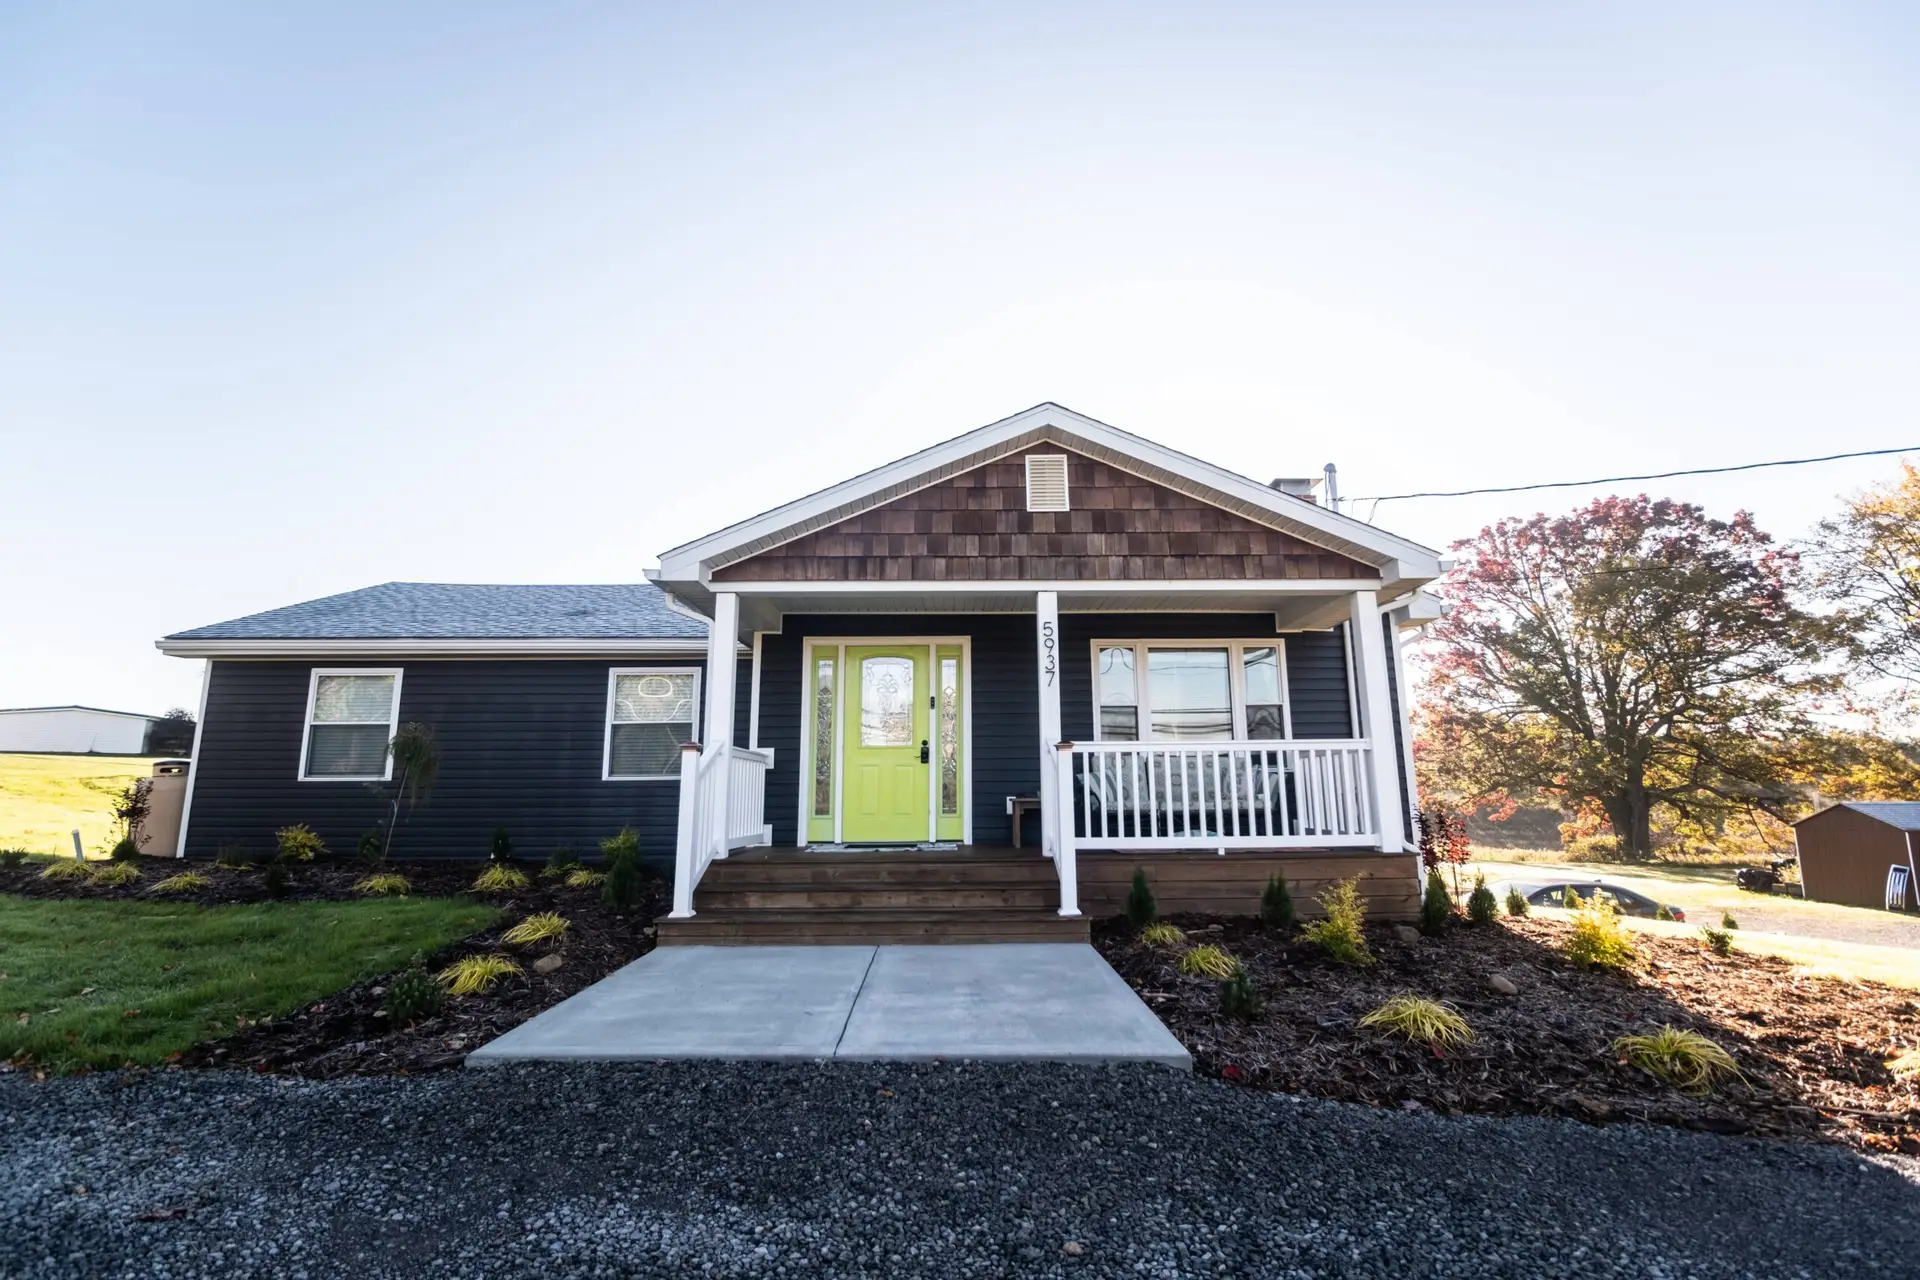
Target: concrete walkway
1006 1002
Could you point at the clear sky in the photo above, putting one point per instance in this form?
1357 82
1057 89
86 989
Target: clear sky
295 299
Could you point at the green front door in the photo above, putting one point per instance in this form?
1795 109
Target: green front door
886 745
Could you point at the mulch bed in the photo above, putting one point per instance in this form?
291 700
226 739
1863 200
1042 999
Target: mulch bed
1813 1050
348 1033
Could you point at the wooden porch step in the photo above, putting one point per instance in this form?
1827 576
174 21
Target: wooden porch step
855 896
857 871
761 927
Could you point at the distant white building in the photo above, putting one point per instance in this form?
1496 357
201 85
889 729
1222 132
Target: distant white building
75 730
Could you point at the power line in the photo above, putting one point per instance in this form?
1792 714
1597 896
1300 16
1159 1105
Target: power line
1658 475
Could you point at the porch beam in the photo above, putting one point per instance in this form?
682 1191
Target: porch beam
1376 716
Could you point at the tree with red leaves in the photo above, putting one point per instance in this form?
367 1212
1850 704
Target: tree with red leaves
1633 654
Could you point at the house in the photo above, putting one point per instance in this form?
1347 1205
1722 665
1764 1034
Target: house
965 694
78 731
1846 851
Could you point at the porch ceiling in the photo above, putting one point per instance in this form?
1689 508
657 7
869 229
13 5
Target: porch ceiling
1307 605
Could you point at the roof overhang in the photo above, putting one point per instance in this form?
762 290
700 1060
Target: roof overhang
396 647
686 571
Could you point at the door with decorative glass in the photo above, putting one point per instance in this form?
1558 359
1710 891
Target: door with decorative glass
887 744
886 741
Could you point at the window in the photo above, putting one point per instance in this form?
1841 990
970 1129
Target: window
1046 482
650 714
822 734
949 735
1183 691
351 713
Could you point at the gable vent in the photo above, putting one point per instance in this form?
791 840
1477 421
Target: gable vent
1046 482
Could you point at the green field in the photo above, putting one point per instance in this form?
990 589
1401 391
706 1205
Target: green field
102 984
44 798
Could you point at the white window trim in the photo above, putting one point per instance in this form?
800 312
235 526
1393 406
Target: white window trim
1236 683
606 738
1066 487
393 722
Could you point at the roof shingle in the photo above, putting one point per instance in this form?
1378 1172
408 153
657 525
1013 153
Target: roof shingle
463 611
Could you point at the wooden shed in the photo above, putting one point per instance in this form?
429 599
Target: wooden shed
1845 851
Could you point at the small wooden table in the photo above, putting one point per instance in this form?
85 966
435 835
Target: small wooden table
1019 807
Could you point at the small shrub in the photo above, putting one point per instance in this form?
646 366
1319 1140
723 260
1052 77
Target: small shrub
1596 849
1686 1060
1481 907
1599 940
501 850
1140 906
1437 1026
11 859
64 869
276 880
1207 961
185 882
372 845
1727 921
622 852
1238 998
582 878
1718 940
414 995
125 849
384 885
1162 935
113 873
1339 930
475 975
1517 904
1572 900
500 878
1436 907
231 856
543 926
1664 913
561 861
299 843
1276 904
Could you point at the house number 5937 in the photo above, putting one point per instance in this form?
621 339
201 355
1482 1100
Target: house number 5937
1050 664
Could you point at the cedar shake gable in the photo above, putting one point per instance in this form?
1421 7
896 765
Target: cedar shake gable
975 526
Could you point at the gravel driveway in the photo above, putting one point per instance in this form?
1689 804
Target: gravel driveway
850 1169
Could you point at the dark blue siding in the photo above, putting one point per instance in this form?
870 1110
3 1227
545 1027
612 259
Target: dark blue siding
1006 708
521 747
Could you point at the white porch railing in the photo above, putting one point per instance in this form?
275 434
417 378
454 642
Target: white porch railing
1238 795
723 807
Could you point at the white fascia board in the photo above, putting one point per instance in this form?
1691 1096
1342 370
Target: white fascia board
1074 586
442 648
690 562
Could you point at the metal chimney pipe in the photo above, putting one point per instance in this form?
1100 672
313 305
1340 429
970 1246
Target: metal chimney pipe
1333 486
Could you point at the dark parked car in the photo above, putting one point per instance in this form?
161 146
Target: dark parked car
1554 894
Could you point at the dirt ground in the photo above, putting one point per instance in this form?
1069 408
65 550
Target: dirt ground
1812 1051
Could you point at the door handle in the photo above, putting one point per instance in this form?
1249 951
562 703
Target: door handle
924 757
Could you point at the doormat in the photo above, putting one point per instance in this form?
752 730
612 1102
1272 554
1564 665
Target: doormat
944 846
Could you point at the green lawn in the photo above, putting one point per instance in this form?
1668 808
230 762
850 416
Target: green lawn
102 984
43 798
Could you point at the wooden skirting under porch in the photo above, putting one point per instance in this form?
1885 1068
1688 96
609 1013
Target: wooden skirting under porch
789 896
1230 884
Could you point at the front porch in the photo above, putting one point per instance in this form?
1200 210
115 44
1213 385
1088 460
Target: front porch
887 752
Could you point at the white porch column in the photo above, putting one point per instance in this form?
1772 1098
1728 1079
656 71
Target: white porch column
723 643
1046 609
1376 717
